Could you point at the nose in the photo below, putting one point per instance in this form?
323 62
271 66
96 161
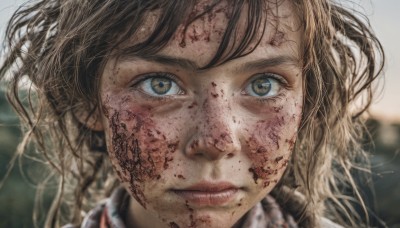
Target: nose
214 136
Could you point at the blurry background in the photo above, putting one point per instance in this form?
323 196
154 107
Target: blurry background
17 195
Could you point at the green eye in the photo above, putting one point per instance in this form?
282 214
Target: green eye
261 86
161 86
264 85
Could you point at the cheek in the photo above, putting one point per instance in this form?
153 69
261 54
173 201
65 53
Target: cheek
138 151
269 144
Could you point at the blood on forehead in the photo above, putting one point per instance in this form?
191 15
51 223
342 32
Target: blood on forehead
206 22
204 27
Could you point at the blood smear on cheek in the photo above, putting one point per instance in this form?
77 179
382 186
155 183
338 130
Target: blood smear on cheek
139 152
266 152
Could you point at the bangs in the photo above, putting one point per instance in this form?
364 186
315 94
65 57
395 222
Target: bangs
176 16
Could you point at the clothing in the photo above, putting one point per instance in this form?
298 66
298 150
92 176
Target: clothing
267 213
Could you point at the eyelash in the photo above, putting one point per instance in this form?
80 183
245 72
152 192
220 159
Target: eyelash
270 99
282 82
142 78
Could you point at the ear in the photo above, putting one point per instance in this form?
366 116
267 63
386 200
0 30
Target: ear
91 119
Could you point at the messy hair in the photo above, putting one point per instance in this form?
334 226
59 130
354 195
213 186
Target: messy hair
60 48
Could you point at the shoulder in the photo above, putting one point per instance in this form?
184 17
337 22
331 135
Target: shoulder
107 213
92 218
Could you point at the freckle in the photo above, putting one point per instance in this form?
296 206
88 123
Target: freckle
182 44
194 144
205 102
278 109
261 150
278 159
230 155
266 184
215 95
277 39
192 105
181 177
285 163
213 84
239 204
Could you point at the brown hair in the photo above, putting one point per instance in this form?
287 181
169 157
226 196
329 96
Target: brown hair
61 46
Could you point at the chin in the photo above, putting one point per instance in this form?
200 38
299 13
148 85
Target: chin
206 217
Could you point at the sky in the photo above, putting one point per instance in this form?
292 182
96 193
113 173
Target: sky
384 16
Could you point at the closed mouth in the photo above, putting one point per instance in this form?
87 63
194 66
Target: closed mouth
208 194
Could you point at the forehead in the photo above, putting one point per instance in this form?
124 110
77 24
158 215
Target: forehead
207 29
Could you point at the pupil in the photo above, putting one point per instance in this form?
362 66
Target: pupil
261 86
161 85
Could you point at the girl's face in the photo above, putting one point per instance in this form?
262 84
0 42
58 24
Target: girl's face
201 147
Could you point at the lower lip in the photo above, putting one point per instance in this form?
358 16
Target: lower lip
203 198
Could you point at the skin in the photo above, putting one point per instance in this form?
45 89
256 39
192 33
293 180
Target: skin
212 129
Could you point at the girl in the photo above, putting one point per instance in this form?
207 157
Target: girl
203 113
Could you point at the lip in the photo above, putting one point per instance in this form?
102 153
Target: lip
208 193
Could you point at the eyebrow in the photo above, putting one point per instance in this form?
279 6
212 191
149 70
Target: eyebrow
165 60
192 66
268 62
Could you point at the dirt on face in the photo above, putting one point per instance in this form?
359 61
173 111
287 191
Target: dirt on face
270 145
138 150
